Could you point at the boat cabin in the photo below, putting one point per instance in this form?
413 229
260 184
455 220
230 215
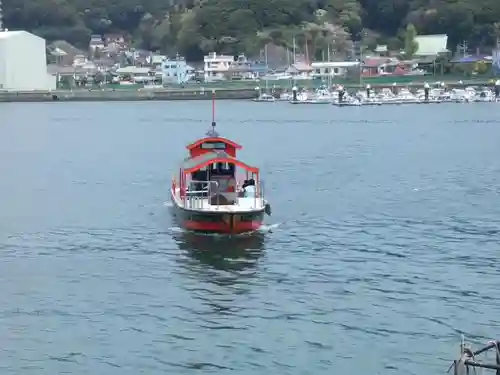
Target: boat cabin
210 171
213 143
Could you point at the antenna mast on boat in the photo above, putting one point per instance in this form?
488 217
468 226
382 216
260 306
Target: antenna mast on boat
212 132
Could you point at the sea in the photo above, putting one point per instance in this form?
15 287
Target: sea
381 251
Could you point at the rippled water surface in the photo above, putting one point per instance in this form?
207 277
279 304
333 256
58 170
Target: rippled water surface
383 249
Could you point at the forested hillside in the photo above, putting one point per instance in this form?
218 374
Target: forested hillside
194 27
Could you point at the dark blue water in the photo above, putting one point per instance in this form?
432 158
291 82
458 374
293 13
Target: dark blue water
383 249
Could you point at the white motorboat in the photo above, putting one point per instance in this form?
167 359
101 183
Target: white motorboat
265 98
305 98
406 97
285 97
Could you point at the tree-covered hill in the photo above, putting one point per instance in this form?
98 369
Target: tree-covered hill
194 27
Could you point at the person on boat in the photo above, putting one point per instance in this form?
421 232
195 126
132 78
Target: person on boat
249 190
241 190
426 91
497 89
368 90
294 93
341 91
257 90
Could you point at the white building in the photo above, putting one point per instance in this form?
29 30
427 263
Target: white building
23 62
217 66
137 74
431 45
176 71
332 68
96 42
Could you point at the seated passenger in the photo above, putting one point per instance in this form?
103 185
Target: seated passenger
249 190
241 190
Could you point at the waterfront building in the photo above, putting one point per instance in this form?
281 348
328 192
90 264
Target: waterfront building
176 71
217 67
23 62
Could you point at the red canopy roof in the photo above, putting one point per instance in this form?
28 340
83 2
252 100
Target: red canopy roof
194 164
213 139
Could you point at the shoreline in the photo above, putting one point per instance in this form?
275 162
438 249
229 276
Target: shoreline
195 93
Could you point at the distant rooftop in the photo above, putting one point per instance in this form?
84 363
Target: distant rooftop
133 70
214 56
9 34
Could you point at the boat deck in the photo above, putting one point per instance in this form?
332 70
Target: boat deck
244 204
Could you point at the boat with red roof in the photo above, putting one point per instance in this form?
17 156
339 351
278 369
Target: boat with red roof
214 191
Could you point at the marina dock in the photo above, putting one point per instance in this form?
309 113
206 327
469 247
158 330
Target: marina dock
193 92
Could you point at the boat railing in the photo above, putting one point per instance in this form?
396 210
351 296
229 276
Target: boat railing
199 192
259 192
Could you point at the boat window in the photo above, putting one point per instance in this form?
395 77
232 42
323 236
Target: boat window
213 145
222 169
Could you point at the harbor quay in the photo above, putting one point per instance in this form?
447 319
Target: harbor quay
97 95
188 93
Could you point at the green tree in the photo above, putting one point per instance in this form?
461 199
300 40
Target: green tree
194 27
481 67
411 45
188 38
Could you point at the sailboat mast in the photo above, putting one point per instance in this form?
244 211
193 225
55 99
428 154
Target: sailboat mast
265 58
329 69
307 53
294 61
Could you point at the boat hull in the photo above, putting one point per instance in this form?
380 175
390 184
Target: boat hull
218 222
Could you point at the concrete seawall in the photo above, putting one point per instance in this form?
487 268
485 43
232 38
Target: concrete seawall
195 93
124 95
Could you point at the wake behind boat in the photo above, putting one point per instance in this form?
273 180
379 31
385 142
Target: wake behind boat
207 194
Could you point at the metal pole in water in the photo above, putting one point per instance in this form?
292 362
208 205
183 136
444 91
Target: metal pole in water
213 109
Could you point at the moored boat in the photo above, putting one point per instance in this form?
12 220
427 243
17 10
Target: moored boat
207 193
265 98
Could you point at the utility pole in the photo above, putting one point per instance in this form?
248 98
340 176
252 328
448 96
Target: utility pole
462 48
360 52
496 55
